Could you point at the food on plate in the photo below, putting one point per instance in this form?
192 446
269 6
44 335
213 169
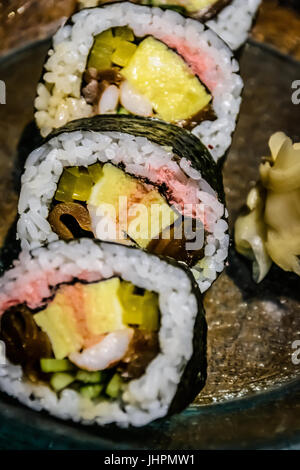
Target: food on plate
230 19
101 333
128 59
270 230
128 180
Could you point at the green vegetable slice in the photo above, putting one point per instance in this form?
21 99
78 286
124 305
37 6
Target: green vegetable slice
56 365
113 388
61 380
89 377
91 391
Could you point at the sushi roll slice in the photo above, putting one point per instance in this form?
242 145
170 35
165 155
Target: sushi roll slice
129 180
230 19
101 333
130 59
234 22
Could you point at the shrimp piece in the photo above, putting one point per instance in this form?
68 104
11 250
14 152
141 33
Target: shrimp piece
109 100
107 352
133 101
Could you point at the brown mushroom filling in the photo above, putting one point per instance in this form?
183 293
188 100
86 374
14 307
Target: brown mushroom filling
25 343
173 242
70 220
142 350
96 82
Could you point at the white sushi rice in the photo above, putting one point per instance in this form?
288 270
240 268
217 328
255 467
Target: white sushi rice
59 99
234 22
143 399
44 167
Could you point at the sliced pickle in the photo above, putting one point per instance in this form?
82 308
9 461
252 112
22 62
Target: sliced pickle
95 172
123 53
65 188
74 170
139 310
82 188
124 32
100 56
74 184
112 46
105 38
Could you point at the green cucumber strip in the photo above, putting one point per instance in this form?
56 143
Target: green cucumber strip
114 386
89 377
91 391
61 380
56 365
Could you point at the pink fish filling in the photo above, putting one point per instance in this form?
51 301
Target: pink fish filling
200 64
182 192
37 289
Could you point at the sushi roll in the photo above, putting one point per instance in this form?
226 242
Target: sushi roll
129 180
130 59
230 19
101 333
234 22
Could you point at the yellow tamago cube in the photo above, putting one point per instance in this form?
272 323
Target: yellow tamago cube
164 78
149 218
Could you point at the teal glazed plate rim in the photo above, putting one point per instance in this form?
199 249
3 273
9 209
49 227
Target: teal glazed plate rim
228 426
